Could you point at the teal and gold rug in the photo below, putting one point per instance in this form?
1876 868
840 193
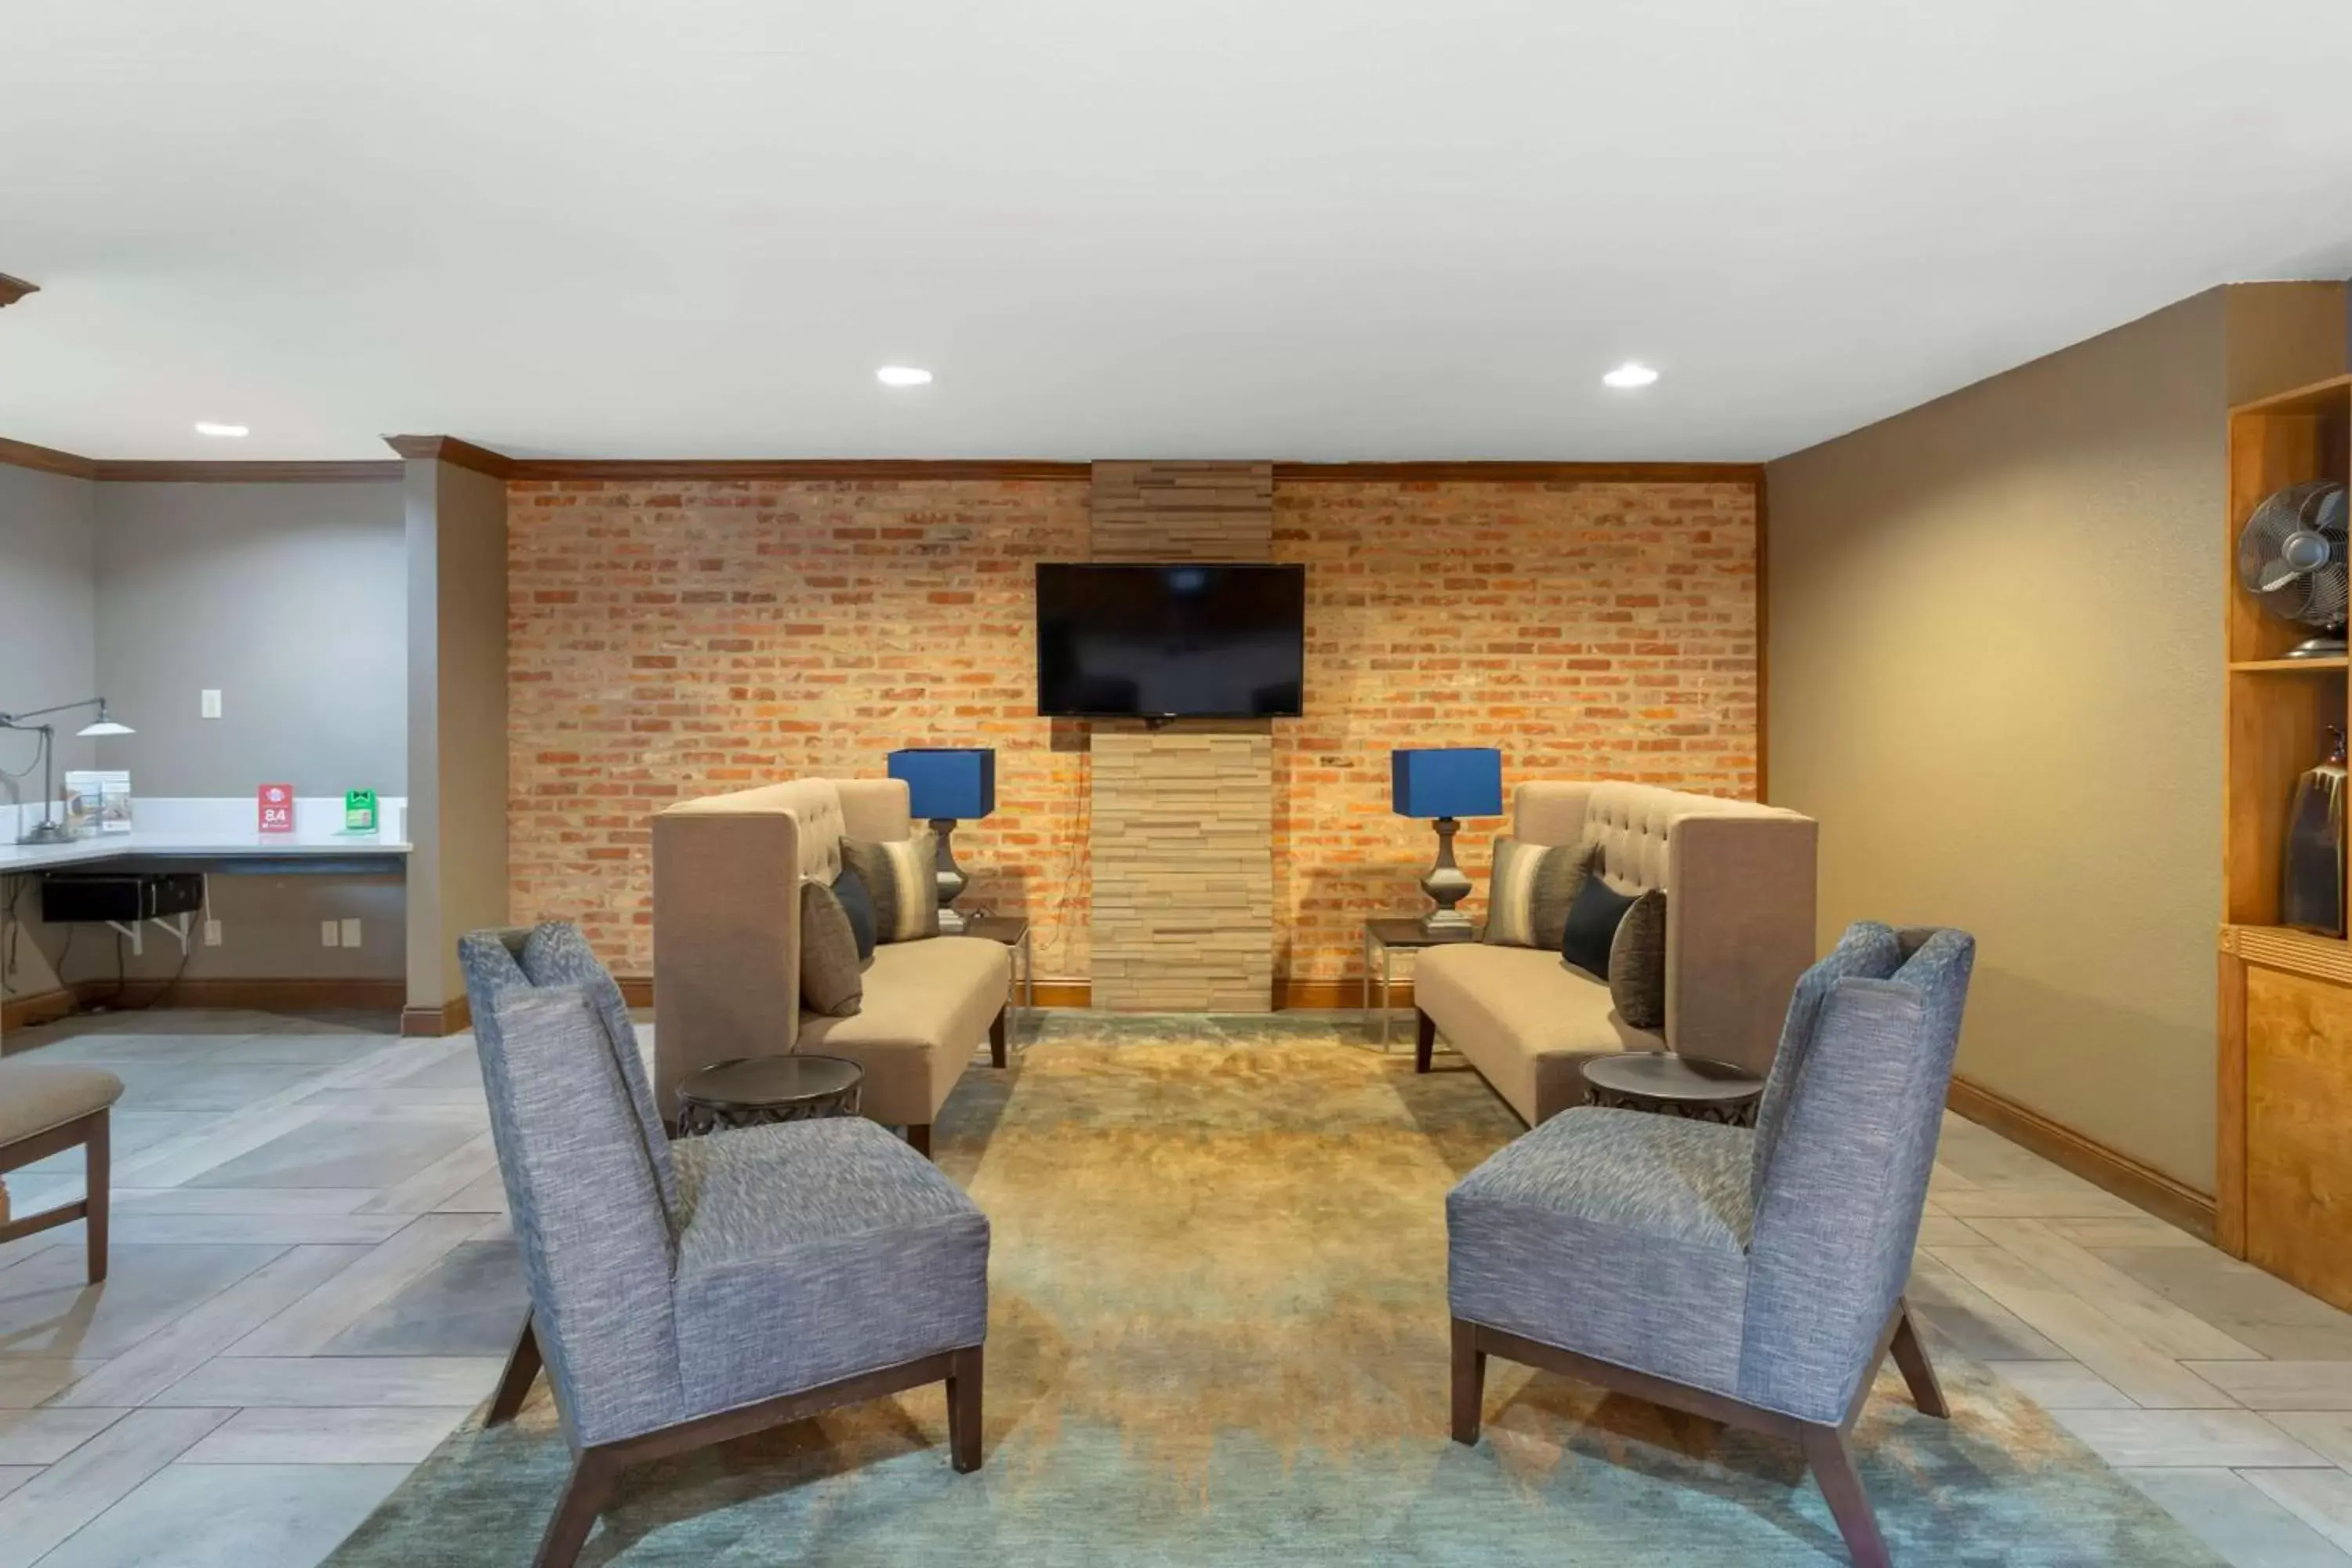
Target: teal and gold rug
1218 1337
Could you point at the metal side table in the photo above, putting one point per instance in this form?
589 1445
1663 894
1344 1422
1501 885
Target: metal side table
1013 931
1383 939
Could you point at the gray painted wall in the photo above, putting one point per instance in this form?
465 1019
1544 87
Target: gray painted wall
292 600
48 615
289 599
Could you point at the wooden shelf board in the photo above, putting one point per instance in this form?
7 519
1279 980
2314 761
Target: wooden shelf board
2320 396
2297 951
2338 664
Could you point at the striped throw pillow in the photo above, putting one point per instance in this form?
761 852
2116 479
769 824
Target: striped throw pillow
900 877
1530 890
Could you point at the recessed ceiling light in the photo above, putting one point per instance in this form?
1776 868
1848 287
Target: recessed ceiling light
902 376
1630 375
206 427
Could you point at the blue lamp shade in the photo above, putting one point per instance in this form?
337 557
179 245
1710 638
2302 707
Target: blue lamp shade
947 781
1447 781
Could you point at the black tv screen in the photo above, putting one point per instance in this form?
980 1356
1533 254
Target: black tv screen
1170 642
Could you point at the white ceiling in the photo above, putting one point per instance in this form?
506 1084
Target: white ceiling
1289 229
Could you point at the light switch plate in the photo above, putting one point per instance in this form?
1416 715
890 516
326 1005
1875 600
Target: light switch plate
330 933
212 933
210 698
350 930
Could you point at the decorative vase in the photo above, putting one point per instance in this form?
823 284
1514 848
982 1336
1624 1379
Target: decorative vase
2311 888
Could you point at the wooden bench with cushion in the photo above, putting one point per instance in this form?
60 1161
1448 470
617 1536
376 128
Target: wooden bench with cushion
45 1109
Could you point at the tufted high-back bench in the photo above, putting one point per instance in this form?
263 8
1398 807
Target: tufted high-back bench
1740 885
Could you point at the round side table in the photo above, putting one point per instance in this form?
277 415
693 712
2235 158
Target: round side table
755 1090
1698 1088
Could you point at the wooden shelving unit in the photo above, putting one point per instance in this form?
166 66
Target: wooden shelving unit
2285 1165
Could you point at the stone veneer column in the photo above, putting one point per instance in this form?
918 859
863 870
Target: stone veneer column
1182 837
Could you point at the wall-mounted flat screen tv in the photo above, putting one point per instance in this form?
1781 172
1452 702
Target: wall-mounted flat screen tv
1175 641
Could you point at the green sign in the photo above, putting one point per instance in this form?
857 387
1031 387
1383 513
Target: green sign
359 811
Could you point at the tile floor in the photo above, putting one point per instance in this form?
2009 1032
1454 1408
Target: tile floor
314 1282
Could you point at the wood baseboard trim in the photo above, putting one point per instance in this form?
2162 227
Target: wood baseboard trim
637 990
2169 1200
39 1007
431 1022
260 995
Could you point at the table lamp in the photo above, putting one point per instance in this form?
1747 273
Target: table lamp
947 785
1446 783
50 830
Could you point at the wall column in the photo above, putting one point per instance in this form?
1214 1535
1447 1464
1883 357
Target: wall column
455 501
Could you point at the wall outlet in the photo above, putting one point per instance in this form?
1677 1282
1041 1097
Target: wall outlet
330 933
210 700
212 933
351 930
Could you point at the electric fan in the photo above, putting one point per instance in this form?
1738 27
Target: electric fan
2291 558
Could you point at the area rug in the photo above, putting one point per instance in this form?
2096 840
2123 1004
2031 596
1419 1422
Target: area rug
1218 1337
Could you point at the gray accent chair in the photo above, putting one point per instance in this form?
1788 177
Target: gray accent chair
688 1293
1753 1278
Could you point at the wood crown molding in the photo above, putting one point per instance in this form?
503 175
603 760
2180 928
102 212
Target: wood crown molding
46 460
15 288
450 449
2174 1202
810 470
1518 473
235 473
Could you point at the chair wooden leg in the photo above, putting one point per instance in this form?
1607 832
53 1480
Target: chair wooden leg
584 1496
1424 1039
996 1038
1469 1383
964 1379
1911 1357
919 1138
1833 1465
98 1175
514 1384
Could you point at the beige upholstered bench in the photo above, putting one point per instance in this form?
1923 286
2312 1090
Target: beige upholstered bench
43 1110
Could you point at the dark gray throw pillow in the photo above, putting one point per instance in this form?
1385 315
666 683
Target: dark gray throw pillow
1592 926
899 874
858 905
830 981
1637 962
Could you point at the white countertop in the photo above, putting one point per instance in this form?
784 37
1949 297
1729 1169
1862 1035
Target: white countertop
201 829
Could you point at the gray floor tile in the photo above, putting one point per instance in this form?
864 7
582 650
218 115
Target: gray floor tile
336 1435
231 1516
62 1499
342 1153
48 1309
2229 1514
470 1303
128 1133
45 1437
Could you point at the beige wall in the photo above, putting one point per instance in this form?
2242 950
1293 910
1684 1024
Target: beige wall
457 542
1996 679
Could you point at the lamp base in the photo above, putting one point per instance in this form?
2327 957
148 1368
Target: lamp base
1446 885
949 877
47 833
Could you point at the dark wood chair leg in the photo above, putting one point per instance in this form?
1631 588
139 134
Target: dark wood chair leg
1469 1383
964 1379
1911 1357
996 1038
514 1384
1424 1039
1833 1465
918 1137
98 1175
584 1496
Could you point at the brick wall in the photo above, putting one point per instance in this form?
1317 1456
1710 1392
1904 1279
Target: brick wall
1590 630
672 639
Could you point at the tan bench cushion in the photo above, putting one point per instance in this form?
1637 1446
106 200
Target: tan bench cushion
1525 1019
928 1004
37 1096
